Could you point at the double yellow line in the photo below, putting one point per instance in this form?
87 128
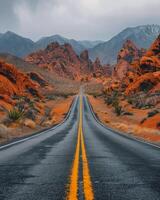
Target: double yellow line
87 185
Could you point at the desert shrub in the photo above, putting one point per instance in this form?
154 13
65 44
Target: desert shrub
51 97
140 102
15 114
152 113
31 104
108 100
111 98
31 114
117 108
130 100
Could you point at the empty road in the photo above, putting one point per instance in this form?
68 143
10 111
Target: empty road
79 159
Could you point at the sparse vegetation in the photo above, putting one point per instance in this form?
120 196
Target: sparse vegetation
152 113
113 99
15 114
117 108
141 101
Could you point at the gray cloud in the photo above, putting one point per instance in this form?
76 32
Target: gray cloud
8 19
80 19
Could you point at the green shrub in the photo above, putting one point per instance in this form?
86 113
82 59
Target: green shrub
113 99
117 108
110 99
15 114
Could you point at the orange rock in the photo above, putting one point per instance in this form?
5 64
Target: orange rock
29 123
129 52
145 83
63 60
151 61
152 122
12 81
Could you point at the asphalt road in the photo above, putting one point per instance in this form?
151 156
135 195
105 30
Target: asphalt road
79 159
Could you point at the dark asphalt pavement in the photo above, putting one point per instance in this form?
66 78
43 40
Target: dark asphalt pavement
39 168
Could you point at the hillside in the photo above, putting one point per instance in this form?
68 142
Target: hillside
55 81
142 36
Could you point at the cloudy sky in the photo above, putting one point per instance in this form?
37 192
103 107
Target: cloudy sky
79 19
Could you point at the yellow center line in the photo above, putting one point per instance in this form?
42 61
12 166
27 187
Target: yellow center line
73 189
88 191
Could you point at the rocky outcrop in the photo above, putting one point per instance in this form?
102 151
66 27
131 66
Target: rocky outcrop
149 71
14 82
63 60
127 60
145 83
37 78
129 52
151 61
137 70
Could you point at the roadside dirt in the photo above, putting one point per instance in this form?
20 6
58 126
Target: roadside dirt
125 123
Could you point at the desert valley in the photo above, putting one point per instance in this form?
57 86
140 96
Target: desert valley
39 80
79 100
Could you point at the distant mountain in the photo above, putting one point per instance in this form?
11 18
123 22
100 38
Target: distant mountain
21 46
90 44
78 46
15 44
43 42
142 36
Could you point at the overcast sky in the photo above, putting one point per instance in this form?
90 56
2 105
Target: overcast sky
79 19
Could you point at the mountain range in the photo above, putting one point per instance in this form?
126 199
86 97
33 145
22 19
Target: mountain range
20 46
142 36
106 51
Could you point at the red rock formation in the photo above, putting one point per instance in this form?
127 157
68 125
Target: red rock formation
121 69
129 52
19 80
63 60
150 62
37 78
127 60
58 58
149 71
145 83
13 82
